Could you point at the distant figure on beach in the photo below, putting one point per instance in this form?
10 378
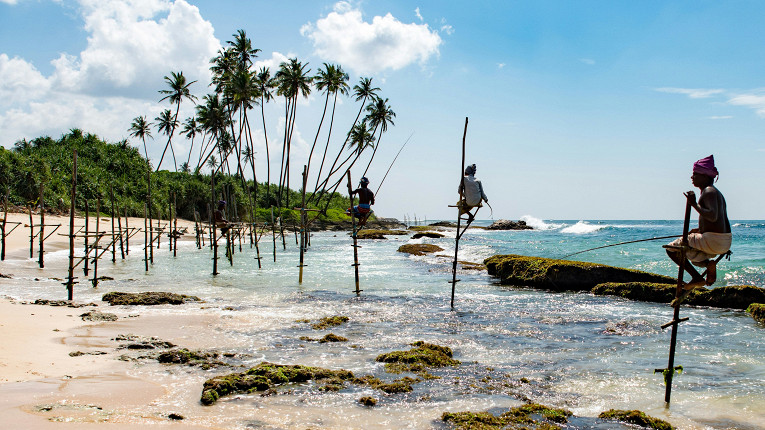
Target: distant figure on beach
366 200
220 217
713 236
472 193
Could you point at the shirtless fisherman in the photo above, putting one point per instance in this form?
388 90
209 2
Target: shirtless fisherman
713 236
472 193
366 200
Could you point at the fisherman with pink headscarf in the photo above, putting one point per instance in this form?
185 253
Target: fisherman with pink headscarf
713 236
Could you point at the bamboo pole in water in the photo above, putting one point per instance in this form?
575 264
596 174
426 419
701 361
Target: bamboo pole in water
114 241
95 244
127 234
459 217
86 262
31 232
355 239
145 239
70 279
42 227
119 226
303 226
5 220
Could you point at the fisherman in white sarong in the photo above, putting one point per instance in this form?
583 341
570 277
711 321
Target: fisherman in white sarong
472 193
713 236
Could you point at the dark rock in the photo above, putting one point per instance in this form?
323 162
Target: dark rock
732 296
369 233
642 291
636 417
758 311
98 316
430 234
443 224
140 342
504 224
147 298
419 248
368 401
176 417
66 303
530 415
562 275
328 322
6 276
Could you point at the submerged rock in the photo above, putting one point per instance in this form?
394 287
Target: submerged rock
562 275
636 417
266 375
419 248
417 359
757 310
531 415
504 224
368 401
429 234
328 322
147 298
98 316
377 234
731 296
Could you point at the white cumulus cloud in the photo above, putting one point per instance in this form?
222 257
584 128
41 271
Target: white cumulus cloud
368 47
752 101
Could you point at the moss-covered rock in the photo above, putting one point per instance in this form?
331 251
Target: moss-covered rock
469 265
732 296
267 375
98 316
417 359
757 310
428 234
368 401
206 360
562 275
147 298
378 234
531 414
635 417
419 248
328 322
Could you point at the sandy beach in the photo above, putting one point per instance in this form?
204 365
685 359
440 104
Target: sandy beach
57 370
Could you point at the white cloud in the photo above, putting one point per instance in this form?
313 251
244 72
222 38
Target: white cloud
721 117
587 61
417 14
752 101
132 45
500 65
385 43
448 29
694 93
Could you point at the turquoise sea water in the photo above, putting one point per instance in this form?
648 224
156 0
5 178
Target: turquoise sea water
577 351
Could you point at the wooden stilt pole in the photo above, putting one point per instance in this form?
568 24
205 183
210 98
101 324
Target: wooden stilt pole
669 372
355 239
95 244
127 234
145 239
213 228
459 218
302 226
114 241
151 233
86 262
5 220
70 280
175 225
42 227
31 232
273 231
119 226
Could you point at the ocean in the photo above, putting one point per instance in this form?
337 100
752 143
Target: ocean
576 351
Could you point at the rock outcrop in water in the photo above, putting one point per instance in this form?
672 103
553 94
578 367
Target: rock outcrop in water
504 224
562 275
147 298
419 248
757 310
731 296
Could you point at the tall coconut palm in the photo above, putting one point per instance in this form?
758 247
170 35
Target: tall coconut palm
190 129
379 116
242 49
140 128
166 122
332 80
265 84
293 80
179 90
213 119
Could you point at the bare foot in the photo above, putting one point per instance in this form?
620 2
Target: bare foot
711 272
695 283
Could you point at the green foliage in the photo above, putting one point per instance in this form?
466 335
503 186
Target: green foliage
102 166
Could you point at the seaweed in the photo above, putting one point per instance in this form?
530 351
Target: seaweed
518 417
419 248
417 359
636 417
147 298
328 322
757 310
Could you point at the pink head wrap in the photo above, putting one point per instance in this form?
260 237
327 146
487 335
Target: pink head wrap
706 166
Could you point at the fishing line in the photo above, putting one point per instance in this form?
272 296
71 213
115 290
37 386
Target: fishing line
623 243
391 164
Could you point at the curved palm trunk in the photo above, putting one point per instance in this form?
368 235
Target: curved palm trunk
170 142
268 156
326 147
316 138
377 145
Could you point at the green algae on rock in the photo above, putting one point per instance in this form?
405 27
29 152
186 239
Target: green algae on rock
328 322
429 234
417 359
378 234
330 337
267 375
636 417
206 360
419 248
531 414
562 275
757 310
147 298
731 296
368 401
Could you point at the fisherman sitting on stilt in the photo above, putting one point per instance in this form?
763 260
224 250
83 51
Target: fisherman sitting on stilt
220 217
472 193
366 199
712 237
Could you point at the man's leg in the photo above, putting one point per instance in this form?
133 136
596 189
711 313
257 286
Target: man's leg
711 271
696 279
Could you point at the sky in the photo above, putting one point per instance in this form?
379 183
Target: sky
576 109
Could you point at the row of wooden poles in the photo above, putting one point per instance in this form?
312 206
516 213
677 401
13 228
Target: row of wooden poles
98 242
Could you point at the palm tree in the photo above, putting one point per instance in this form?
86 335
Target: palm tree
190 129
140 128
179 89
242 49
332 80
293 80
264 84
213 119
379 116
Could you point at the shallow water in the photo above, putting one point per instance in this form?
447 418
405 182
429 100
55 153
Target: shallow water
577 351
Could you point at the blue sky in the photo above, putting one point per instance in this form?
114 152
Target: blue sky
577 110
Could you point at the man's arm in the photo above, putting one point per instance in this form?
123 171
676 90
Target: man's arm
707 206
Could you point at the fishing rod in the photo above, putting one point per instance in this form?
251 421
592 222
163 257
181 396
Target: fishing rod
394 160
624 243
